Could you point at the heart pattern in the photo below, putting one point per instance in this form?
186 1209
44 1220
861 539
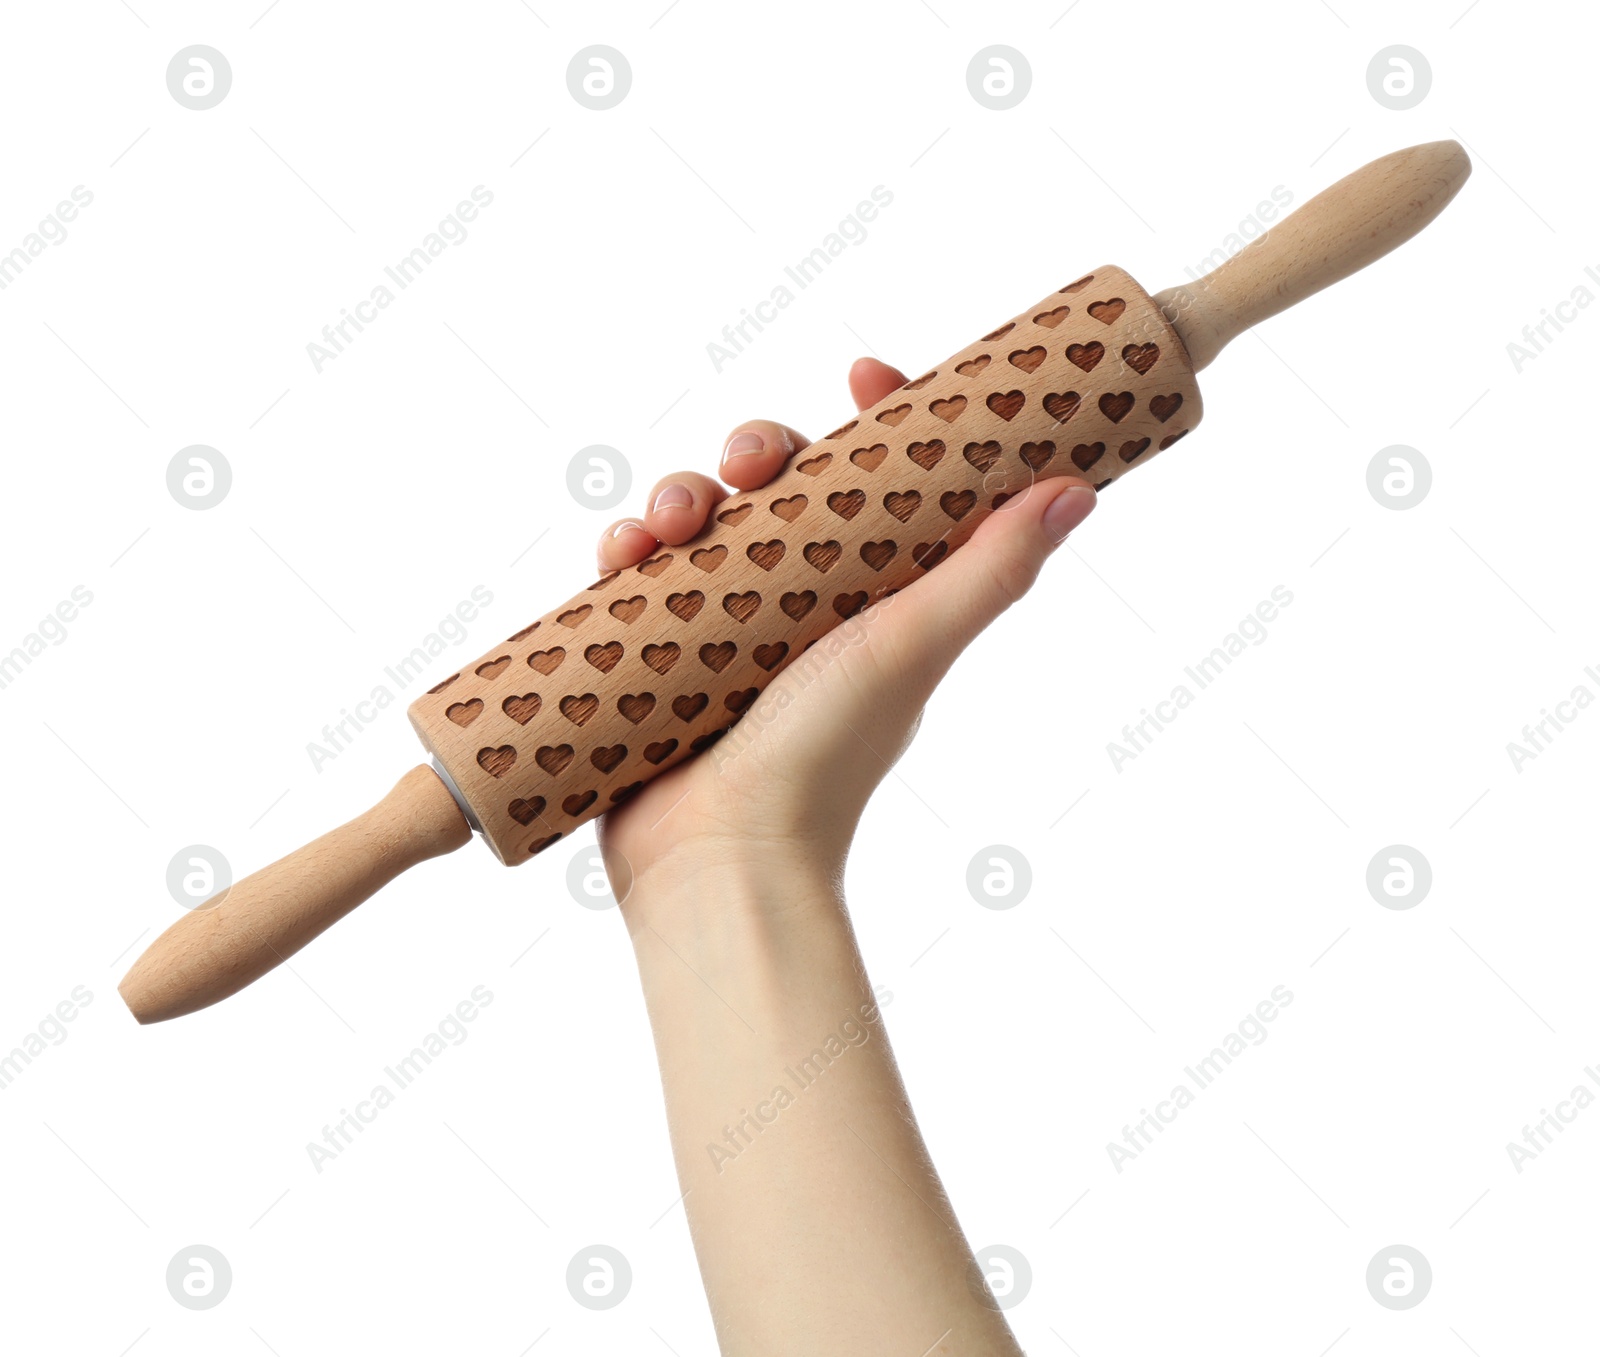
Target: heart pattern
651 665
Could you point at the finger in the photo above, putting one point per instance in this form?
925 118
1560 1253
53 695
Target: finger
756 451
679 505
871 381
927 625
626 542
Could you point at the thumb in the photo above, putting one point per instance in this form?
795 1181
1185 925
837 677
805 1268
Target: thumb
930 622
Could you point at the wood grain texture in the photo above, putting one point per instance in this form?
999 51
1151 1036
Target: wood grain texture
1344 228
652 664
246 930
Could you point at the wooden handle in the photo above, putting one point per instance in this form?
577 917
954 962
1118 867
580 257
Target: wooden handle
266 918
1343 229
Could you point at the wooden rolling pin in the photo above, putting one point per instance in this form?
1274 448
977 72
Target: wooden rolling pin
649 666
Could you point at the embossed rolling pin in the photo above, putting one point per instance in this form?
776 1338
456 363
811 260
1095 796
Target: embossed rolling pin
648 666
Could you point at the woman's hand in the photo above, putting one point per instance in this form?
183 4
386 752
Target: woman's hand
789 796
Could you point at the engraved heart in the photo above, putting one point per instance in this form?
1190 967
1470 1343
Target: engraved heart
841 430
553 758
949 410
1062 405
798 605
1141 357
1038 455
704 742
522 709
1007 404
929 554
878 554
847 503
920 382
1133 448
655 565
1030 359
497 762
689 706
1165 407
1107 311
717 656
902 504
575 616
1085 356
1080 284
441 686
539 845
894 416
741 607
926 455
1114 405
604 580
663 749
604 658
1085 455
579 709
982 455
823 555
607 758
1051 319
494 668
869 459
526 631
628 610
737 702
661 658
766 554
1002 332
636 706
623 793
769 657
812 465
579 802
686 606
973 366
465 713
1170 439
547 661
708 558
958 504
789 509
848 605
737 514
526 812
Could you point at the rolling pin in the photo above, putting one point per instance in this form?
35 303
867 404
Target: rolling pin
649 666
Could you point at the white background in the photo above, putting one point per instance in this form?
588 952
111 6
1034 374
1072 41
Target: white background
369 499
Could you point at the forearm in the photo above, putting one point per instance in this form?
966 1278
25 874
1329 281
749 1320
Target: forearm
818 1219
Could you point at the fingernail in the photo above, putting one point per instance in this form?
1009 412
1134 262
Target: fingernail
742 445
673 497
1066 511
627 525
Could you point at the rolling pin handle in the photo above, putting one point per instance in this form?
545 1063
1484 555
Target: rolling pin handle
243 932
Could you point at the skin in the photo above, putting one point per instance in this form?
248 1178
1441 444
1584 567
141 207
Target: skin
819 1221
